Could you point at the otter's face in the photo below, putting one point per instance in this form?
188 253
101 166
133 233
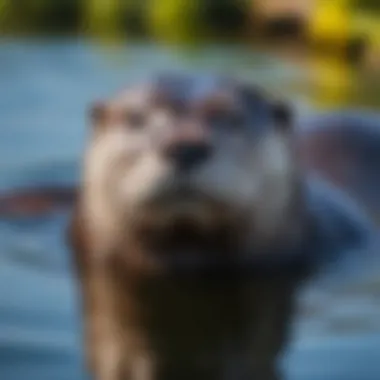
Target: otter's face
180 143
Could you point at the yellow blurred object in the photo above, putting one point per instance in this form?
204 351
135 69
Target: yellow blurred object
332 79
330 22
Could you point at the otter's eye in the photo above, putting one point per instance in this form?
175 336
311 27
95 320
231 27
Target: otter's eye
135 119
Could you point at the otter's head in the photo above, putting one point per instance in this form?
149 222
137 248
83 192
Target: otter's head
194 151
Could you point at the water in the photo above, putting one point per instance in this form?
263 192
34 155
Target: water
46 85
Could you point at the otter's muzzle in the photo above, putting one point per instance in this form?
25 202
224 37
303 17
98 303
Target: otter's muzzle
188 148
187 156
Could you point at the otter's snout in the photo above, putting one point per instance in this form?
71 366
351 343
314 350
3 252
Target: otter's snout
188 155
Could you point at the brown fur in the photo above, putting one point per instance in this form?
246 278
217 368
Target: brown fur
148 320
183 329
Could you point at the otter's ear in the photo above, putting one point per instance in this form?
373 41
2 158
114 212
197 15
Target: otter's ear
97 113
283 115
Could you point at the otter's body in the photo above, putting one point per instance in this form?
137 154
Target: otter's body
190 192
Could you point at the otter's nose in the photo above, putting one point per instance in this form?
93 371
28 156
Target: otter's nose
188 155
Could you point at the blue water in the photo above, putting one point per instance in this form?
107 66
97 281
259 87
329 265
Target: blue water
45 87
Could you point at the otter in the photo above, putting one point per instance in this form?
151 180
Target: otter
193 229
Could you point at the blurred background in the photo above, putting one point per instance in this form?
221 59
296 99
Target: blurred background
57 56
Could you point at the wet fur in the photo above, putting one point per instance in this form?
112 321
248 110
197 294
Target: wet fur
174 327
145 320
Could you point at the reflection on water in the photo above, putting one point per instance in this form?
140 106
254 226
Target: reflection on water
45 88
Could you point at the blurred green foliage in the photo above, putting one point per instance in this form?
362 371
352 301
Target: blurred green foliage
166 20
366 5
171 20
33 16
